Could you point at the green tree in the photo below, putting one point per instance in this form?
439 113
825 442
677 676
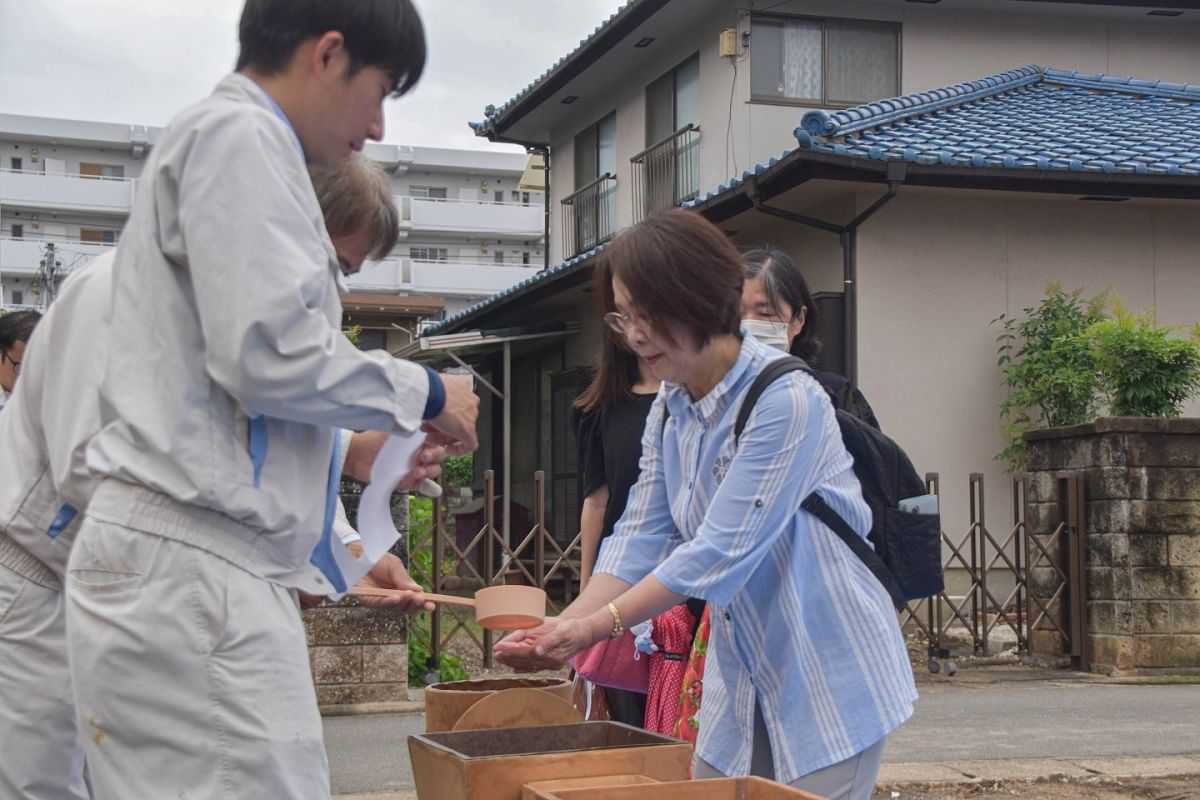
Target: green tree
1145 370
1048 367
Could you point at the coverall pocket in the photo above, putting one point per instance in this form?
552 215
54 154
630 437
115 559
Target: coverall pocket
11 585
104 580
105 565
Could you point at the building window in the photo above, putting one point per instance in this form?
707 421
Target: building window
837 62
97 236
18 231
91 170
429 253
520 197
18 297
428 192
667 172
590 213
15 163
498 256
673 101
525 258
372 340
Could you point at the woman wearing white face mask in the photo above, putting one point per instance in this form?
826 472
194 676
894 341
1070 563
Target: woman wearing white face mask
778 309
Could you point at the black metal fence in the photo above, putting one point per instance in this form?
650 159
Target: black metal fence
589 215
666 174
988 570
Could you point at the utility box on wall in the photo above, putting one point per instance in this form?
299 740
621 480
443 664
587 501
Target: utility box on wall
728 42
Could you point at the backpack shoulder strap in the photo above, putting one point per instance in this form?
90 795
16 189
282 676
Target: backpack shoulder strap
814 503
769 374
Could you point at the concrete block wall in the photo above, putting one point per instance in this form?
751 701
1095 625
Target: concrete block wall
1142 522
357 654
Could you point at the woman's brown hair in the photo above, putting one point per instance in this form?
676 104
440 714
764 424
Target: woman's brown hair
615 375
681 271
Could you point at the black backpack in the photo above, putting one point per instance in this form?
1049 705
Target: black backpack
907 558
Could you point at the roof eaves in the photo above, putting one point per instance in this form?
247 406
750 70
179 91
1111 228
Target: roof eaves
735 181
497 117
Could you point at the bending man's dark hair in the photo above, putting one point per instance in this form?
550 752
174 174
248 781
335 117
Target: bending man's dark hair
387 34
782 281
17 326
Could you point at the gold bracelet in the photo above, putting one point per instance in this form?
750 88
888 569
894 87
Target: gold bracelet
618 630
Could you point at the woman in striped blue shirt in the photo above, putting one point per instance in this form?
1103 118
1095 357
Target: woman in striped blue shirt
807 671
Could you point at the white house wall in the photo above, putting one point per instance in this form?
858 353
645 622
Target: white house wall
939 46
935 268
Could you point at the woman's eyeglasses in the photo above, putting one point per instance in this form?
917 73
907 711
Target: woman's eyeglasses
15 364
623 323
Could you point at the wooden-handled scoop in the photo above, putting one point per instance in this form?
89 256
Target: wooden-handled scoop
502 608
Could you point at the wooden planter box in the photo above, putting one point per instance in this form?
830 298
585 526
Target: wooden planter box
496 764
446 702
548 790
714 789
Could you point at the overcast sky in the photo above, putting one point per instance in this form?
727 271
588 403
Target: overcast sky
141 61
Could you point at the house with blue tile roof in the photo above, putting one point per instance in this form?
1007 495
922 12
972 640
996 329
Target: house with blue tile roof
921 199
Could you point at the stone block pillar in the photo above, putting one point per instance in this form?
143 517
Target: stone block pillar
357 654
1142 523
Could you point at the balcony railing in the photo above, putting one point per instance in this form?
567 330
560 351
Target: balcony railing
450 278
667 174
24 255
63 191
520 220
590 215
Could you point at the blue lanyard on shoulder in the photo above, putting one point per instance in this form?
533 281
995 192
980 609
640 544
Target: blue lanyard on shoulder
279 113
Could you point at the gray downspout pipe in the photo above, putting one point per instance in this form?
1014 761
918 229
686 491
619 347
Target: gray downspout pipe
848 237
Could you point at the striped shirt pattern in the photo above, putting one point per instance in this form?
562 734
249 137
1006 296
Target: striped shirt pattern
799 624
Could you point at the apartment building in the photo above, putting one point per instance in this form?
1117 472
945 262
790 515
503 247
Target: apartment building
469 226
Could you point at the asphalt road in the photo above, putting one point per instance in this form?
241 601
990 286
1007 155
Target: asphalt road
1048 719
954 720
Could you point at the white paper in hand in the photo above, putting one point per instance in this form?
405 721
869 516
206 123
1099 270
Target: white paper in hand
395 460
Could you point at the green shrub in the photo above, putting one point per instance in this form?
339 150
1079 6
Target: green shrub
1146 370
1068 360
420 567
420 660
459 470
1048 367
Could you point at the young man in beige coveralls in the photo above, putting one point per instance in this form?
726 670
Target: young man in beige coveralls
226 382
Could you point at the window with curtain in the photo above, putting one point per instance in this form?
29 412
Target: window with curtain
824 61
92 170
429 253
427 192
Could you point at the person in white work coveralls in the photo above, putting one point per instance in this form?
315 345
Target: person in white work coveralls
226 381
53 415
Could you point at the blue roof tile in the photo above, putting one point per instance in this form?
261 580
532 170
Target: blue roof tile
1029 118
